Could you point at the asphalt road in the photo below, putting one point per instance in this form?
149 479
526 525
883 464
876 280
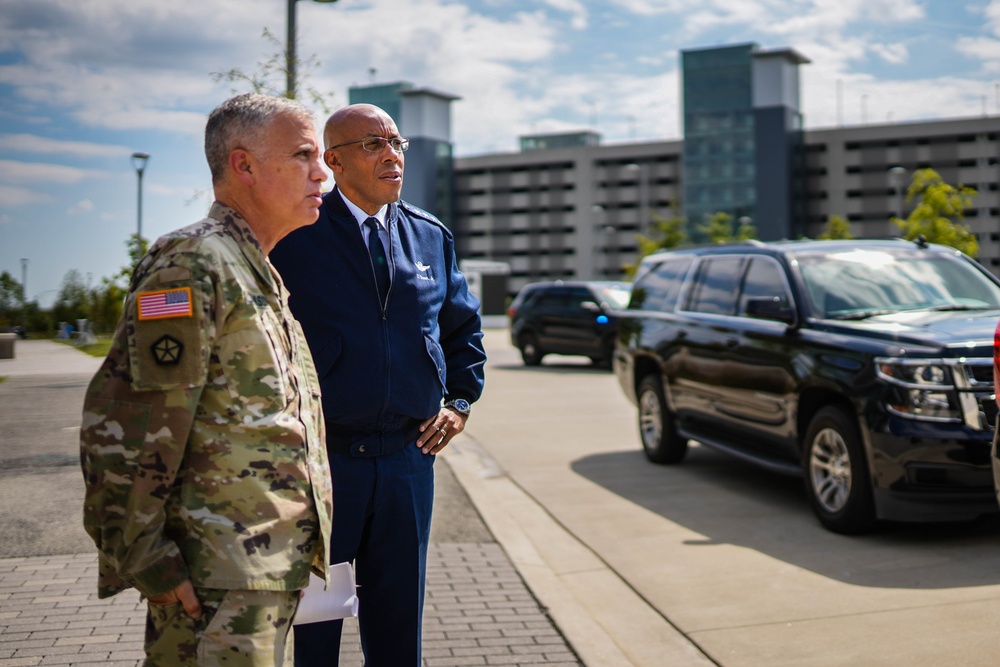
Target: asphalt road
728 554
41 488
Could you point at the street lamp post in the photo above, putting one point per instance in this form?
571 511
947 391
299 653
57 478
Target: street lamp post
290 58
897 175
610 253
643 170
139 162
24 295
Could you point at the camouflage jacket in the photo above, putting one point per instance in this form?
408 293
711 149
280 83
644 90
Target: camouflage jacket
202 440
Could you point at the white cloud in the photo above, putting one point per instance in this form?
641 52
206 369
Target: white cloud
14 171
575 8
31 143
655 7
868 100
16 196
124 64
896 54
983 48
992 14
82 206
137 64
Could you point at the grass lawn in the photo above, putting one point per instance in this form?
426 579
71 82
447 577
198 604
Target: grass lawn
99 349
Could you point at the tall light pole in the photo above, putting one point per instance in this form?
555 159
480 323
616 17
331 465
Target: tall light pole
290 58
139 162
643 170
897 175
24 295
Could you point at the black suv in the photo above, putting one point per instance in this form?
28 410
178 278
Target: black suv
864 366
567 318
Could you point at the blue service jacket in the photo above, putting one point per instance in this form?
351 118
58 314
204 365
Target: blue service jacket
380 371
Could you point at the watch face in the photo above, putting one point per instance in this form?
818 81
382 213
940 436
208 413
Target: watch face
461 405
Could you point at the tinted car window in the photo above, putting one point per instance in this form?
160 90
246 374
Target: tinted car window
577 296
660 287
764 279
551 299
852 284
715 287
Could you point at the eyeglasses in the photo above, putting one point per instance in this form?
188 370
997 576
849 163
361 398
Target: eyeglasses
377 144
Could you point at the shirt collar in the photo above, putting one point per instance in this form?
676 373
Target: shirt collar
361 216
236 226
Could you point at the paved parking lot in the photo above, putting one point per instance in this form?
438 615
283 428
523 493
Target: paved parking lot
726 555
713 562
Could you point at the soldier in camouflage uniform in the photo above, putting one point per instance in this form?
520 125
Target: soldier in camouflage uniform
202 443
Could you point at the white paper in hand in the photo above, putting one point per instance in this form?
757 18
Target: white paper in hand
338 601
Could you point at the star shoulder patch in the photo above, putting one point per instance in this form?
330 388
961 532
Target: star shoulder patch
167 350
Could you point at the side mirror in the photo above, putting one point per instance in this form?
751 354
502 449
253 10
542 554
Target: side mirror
770 308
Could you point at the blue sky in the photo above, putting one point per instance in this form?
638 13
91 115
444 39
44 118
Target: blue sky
83 84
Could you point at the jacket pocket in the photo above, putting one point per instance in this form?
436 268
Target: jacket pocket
437 357
326 356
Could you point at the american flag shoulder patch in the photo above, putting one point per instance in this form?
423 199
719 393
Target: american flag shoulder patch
162 304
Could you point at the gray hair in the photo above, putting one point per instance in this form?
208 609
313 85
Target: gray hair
241 122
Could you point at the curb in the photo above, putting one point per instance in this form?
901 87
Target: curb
604 620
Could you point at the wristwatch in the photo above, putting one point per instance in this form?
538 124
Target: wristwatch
459 405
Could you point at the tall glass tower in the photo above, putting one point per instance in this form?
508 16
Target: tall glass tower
742 134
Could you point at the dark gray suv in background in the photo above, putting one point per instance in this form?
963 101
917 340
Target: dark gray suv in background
565 317
863 366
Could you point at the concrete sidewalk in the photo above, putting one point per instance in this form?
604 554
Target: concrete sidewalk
478 609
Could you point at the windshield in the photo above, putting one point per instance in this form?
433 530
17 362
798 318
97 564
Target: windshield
617 297
862 283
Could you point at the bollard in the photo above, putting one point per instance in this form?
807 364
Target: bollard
7 345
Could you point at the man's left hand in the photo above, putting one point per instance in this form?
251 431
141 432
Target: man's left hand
438 431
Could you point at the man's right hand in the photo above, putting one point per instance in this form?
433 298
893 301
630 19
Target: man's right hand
183 595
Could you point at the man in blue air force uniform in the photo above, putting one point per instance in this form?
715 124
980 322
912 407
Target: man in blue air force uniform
397 341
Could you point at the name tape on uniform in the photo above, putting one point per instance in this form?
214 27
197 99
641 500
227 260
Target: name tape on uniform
165 303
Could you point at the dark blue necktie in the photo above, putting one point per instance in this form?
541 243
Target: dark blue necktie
379 261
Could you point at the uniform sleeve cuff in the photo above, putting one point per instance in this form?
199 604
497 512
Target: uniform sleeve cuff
162 577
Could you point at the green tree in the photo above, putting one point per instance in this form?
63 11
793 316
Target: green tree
836 228
939 211
666 233
720 229
39 321
137 249
106 305
72 302
11 299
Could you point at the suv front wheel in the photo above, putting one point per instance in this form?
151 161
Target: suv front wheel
660 440
836 473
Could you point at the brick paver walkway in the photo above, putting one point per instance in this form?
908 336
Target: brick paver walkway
478 612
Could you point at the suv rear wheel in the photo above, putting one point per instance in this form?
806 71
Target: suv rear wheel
836 473
531 354
660 440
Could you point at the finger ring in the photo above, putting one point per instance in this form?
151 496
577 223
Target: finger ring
442 431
